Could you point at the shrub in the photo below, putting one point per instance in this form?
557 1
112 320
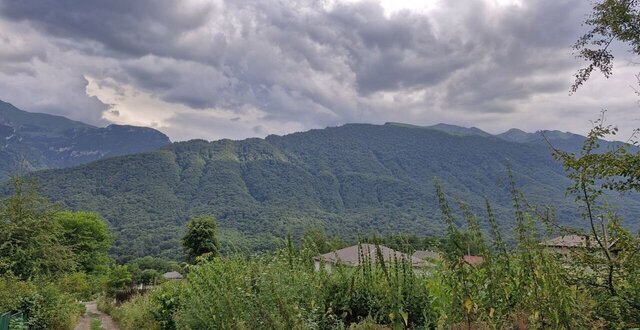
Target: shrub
49 308
77 285
135 314
46 306
104 304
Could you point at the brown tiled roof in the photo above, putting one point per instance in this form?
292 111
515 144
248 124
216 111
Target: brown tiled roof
351 255
581 241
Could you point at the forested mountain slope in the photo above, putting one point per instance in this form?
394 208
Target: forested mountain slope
354 180
34 141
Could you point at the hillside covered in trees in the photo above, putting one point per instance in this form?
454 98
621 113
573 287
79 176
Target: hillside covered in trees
356 179
36 141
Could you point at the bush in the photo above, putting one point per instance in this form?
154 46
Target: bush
104 304
49 308
135 314
46 306
77 285
283 291
13 292
165 304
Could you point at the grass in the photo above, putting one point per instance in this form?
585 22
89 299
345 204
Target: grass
96 324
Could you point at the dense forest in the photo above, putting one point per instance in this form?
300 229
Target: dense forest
356 179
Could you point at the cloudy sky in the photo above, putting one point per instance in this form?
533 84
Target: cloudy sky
234 69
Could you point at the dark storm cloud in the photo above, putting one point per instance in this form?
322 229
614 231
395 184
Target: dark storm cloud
134 28
304 61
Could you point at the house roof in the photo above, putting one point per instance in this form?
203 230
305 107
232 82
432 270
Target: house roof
422 254
172 276
473 260
351 256
581 241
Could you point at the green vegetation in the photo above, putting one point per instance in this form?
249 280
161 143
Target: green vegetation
201 238
528 286
518 284
354 181
88 237
611 21
96 324
49 259
34 141
525 286
30 236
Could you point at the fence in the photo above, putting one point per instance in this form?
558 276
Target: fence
15 320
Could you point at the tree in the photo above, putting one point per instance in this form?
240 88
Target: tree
594 171
317 239
30 243
611 20
87 235
201 238
119 279
149 277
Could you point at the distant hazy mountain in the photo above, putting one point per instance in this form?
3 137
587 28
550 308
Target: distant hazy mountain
457 130
33 141
564 141
353 180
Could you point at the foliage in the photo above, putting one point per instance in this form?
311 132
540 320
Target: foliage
119 278
201 238
135 314
29 236
353 181
408 243
611 273
96 324
46 246
17 324
150 277
46 306
148 270
42 258
104 304
610 21
285 294
88 237
79 285
317 240
158 264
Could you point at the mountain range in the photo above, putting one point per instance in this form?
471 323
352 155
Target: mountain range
352 180
35 141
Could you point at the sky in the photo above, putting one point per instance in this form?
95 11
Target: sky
217 69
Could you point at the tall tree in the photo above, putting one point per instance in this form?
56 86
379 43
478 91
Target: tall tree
201 238
87 235
30 242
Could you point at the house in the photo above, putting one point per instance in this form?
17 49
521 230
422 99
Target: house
473 260
354 256
567 244
173 276
427 255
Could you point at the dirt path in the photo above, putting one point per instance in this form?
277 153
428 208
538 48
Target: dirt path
93 313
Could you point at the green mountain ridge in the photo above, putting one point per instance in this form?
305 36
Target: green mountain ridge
353 180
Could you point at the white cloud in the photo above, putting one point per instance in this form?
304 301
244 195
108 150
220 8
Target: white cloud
130 106
213 69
